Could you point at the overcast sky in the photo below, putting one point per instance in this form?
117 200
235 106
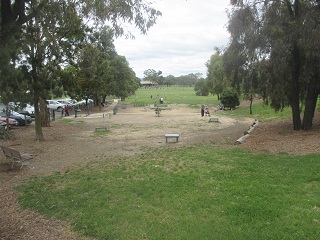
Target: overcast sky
181 41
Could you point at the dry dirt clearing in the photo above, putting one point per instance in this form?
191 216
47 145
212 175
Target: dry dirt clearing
130 131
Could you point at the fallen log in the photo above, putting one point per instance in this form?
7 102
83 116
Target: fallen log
254 125
247 133
240 140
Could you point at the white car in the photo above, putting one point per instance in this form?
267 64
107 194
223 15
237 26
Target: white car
55 105
66 102
29 109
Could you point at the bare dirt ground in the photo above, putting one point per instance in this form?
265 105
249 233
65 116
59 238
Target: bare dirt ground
131 131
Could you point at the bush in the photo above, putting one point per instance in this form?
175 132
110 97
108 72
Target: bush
229 98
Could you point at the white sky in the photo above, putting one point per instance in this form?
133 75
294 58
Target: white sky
181 41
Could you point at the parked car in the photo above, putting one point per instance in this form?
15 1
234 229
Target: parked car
55 105
22 120
67 102
28 110
12 122
83 101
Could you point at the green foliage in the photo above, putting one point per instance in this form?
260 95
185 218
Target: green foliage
201 88
273 48
140 13
52 32
184 80
153 76
198 192
216 78
229 98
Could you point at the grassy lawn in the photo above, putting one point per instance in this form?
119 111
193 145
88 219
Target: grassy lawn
197 192
186 95
172 95
260 111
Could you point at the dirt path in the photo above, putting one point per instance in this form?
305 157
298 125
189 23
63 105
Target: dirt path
131 131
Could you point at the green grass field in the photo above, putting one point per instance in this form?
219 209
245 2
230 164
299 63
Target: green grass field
171 95
198 192
186 95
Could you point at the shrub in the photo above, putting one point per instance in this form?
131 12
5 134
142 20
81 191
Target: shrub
229 98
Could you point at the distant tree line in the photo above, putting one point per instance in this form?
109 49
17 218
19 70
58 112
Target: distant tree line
170 80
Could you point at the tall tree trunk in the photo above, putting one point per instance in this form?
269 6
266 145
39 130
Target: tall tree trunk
45 117
296 119
294 97
38 128
310 107
251 101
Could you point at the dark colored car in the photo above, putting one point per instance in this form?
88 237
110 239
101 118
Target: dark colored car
22 120
32 115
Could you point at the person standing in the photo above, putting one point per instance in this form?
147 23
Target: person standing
66 110
202 110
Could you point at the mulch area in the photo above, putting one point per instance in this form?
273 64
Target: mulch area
279 137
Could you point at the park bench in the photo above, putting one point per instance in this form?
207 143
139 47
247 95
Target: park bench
100 129
170 135
16 157
213 119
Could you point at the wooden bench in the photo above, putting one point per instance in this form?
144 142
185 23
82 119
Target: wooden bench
16 157
170 135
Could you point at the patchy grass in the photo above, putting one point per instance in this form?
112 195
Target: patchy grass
197 192
101 132
260 111
69 121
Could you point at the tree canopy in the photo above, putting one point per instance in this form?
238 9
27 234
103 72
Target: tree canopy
216 79
140 13
278 42
39 38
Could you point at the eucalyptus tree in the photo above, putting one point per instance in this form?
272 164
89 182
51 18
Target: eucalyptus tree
216 79
124 82
201 88
250 84
283 34
152 75
140 13
188 80
169 80
93 72
53 28
101 71
48 41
